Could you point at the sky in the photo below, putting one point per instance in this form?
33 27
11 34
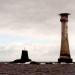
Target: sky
34 25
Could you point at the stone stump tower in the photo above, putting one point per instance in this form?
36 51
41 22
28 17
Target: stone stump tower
64 51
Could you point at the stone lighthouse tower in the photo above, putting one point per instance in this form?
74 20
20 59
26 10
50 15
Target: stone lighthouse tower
64 51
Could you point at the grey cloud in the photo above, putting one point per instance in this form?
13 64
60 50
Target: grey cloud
36 16
21 13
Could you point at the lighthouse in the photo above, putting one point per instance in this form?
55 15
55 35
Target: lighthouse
64 50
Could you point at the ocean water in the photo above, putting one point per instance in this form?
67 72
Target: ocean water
37 69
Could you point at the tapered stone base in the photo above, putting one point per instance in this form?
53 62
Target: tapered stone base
66 60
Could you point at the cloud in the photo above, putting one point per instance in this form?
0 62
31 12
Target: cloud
35 25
